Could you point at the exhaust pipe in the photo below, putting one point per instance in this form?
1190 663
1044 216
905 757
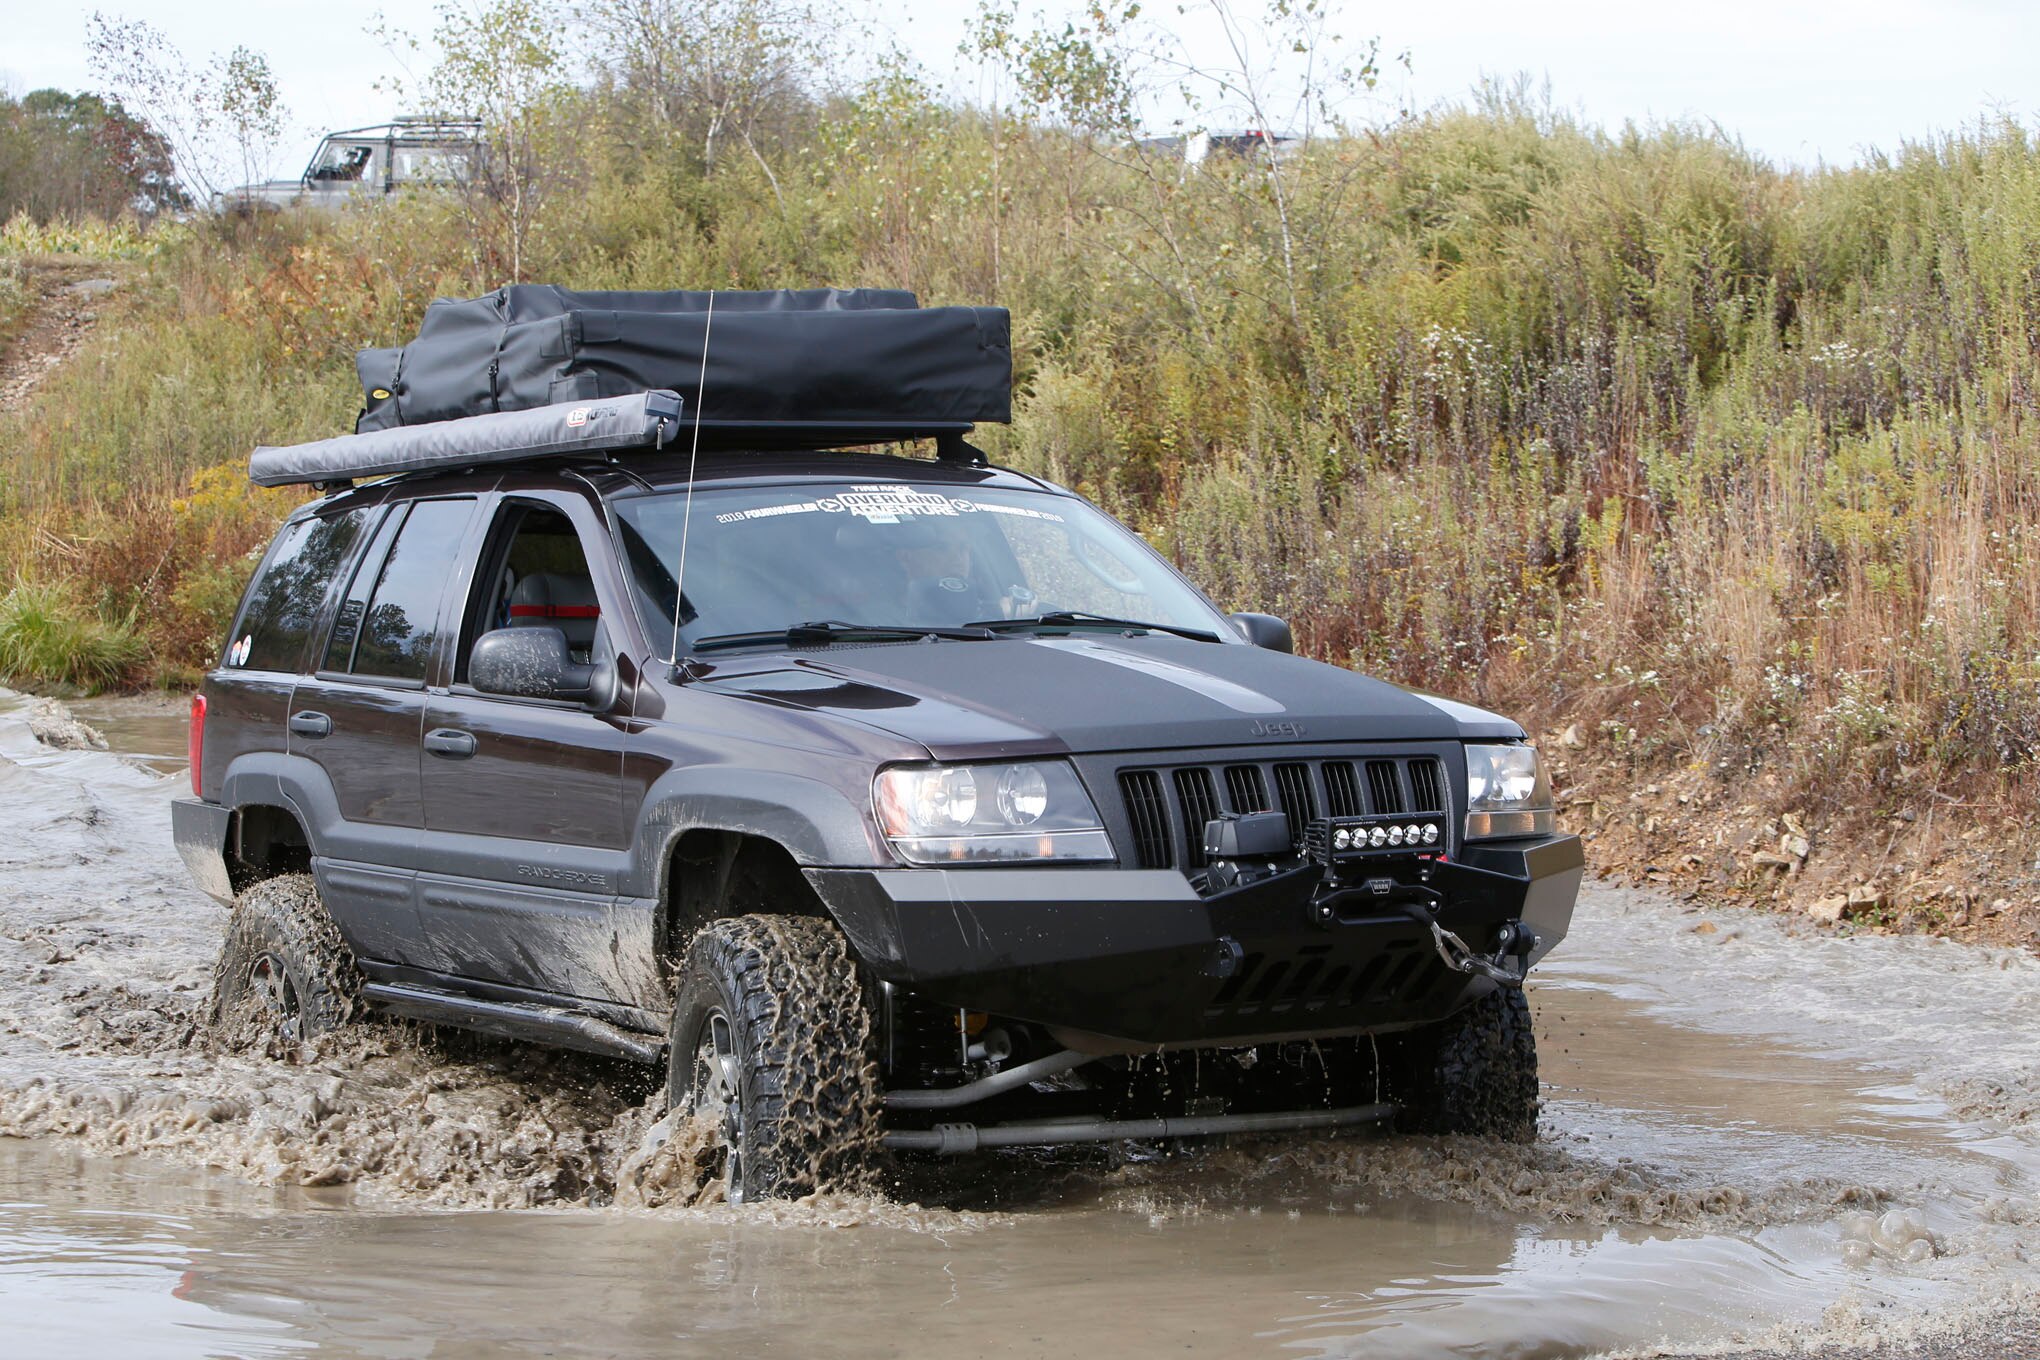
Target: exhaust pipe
949 1139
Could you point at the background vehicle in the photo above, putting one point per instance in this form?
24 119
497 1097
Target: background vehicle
370 162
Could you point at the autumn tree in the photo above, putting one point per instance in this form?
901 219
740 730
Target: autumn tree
80 155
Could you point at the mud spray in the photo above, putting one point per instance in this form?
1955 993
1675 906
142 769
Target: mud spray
1747 1136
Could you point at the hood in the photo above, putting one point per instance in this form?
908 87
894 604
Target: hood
1093 692
268 190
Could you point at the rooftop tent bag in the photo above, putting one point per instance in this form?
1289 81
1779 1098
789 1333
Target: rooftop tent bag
841 362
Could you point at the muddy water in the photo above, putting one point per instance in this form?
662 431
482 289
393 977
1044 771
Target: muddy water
1747 1134
150 728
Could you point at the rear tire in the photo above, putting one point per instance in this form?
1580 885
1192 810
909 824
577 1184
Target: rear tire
1475 1073
771 1037
284 963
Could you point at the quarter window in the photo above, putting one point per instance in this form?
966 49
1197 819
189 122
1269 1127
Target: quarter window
284 603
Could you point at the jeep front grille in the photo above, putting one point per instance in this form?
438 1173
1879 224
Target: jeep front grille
1168 807
1384 789
1427 783
1199 802
1244 788
1297 795
1142 790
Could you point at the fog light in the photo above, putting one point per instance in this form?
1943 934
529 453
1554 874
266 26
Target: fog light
1395 835
1378 836
1431 835
1342 839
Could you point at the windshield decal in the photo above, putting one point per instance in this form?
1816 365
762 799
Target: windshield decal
884 505
1020 510
767 512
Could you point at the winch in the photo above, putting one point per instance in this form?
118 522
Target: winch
1366 865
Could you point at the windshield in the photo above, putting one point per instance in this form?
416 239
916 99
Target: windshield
342 161
764 559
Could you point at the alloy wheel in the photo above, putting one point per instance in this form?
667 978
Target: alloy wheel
271 984
718 1094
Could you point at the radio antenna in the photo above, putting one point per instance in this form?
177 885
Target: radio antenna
693 453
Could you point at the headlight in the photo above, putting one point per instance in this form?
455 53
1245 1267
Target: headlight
963 814
1506 794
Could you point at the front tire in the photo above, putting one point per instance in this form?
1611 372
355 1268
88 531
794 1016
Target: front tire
1475 1073
772 1039
284 963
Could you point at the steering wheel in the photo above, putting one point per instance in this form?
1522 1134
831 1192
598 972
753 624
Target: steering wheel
1082 545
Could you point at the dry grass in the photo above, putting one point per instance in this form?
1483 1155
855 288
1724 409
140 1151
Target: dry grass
1637 430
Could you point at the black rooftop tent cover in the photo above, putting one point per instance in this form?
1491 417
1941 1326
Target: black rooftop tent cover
815 365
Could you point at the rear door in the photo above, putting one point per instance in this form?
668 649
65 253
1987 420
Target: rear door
265 651
358 718
523 800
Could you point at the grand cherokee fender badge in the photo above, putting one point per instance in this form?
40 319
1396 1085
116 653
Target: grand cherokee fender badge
1292 731
562 875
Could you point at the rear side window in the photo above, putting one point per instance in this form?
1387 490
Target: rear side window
284 602
401 622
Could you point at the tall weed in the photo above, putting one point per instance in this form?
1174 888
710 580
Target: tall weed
1632 428
49 640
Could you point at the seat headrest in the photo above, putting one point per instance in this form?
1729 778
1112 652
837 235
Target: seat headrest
548 599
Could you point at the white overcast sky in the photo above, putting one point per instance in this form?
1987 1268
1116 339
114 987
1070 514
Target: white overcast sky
1796 81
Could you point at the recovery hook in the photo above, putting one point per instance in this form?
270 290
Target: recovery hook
1507 965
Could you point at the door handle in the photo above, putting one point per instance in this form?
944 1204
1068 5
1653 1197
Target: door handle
311 724
451 742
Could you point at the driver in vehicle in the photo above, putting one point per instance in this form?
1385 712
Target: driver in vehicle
935 558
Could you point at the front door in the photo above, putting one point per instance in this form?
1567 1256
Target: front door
358 718
523 798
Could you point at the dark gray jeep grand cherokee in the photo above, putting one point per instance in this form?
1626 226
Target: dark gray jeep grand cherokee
889 802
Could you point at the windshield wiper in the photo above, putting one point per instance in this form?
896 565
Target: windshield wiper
1064 618
824 631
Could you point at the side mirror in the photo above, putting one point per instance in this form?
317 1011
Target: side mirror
533 663
1265 630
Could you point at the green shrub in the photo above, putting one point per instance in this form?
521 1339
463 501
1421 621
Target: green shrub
47 640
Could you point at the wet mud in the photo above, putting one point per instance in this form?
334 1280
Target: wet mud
1748 1138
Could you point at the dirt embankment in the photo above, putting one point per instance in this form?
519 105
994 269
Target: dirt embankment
61 309
1967 870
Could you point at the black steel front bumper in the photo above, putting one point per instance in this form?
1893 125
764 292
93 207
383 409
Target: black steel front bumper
1140 956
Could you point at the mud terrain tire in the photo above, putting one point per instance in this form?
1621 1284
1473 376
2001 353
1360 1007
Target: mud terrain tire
283 959
1476 1073
771 1033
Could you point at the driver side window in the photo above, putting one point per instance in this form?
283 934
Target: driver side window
534 574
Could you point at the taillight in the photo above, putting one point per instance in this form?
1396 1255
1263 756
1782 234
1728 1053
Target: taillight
197 747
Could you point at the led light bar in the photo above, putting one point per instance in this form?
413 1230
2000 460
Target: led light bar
1331 839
